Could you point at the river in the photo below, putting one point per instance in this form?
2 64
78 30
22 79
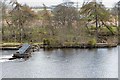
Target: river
62 63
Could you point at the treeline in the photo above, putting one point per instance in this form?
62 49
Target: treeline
63 25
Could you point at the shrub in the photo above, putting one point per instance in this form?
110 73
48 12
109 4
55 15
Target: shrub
92 42
51 42
68 43
92 27
46 41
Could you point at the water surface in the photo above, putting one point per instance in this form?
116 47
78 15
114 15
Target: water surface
63 63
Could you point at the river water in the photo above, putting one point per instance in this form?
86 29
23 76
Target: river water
62 63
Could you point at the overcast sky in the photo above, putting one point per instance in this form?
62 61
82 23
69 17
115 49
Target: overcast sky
107 3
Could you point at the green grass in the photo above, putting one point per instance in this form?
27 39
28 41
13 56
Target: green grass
104 29
10 44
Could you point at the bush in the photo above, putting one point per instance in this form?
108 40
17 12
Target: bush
92 27
68 43
46 42
51 42
71 44
92 42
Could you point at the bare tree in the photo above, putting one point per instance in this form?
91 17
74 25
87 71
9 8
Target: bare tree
21 15
65 15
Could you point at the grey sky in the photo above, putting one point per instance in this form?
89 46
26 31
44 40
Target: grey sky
107 3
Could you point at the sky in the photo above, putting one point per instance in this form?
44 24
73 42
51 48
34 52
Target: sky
107 3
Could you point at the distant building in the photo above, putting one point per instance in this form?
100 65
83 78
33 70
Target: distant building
39 8
68 3
65 3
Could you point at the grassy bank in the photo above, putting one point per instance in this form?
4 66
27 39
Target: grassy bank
90 44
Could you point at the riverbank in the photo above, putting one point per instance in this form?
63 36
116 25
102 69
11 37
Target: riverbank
9 46
16 46
82 46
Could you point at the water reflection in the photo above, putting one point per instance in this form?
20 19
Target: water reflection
65 63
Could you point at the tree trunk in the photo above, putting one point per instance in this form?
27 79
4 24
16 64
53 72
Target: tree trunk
108 27
96 22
